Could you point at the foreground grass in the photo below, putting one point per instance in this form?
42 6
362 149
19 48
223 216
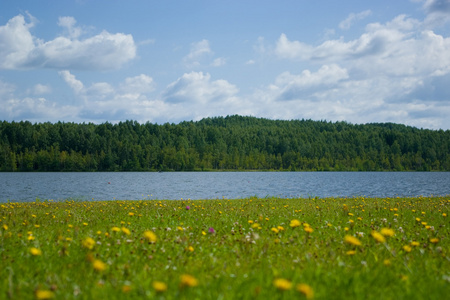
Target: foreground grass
333 248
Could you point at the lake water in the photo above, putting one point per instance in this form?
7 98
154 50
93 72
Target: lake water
19 187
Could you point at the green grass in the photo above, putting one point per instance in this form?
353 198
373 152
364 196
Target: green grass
232 249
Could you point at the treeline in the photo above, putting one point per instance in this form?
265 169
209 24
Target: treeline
222 143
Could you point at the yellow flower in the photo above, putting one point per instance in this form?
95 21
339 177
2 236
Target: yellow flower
415 244
407 248
115 229
187 280
295 223
88 243
308 229
387 232
44 294
351 252
35 251
131 214
126 288
150 236
282 284
159 286
5 227
280 228
352 240
275 230
434 240
98 265
387 262
126 230
190 249
250 222
305 290
378 237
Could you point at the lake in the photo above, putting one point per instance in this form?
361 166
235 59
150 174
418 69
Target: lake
18 187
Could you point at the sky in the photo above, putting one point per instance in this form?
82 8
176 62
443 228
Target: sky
171 61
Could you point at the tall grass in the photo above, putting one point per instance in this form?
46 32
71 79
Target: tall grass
271 248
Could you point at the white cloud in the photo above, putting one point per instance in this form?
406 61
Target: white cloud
197 87
76 85
198 51
347 23
218 62
438 12
40 89
141 84
19 49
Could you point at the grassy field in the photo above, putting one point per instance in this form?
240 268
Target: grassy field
270 248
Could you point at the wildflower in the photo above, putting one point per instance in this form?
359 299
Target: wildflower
44 294
387 232
187 280
203 233
98 265
150 236
188 207
275 230
351 252
407 248
305 290
211 230
5 227
434 240
85 224
415 244
131 214
444 214
115 229
250 222
352 240
126 230
88 243
159 286
308 229
378 237
295 223
387 262
190 249
35 251
282 284
280 228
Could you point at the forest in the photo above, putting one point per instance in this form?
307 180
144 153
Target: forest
231 143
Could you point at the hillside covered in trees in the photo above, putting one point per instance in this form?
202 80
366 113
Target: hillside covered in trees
222 143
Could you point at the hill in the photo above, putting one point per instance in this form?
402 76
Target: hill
222 143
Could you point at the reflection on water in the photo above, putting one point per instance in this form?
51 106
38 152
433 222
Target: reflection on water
213 185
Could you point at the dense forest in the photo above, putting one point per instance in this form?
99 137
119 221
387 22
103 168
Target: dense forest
222 143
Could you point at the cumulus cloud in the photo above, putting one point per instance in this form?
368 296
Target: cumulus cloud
197 87
347 23
19 49
198 51
438 12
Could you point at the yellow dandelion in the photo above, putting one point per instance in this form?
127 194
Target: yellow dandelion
378 237
308 229
131 214
305 290
85 224
280 228
387 232
159 286
98 265
187 280
352 240
88 243
444 214
115 229
275 230
150 236
407 248
44 294
351 252
387 262
126 230
5 227
35 251
282 284
295 223
250 222
434 240
190 249
415 244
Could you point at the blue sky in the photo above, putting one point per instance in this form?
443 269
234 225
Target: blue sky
170 61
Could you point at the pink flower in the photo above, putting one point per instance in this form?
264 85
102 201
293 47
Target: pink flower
188 207
211 230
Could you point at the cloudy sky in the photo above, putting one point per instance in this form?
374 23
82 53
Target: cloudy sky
169 61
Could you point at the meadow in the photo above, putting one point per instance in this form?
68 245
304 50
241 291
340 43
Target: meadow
254 248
